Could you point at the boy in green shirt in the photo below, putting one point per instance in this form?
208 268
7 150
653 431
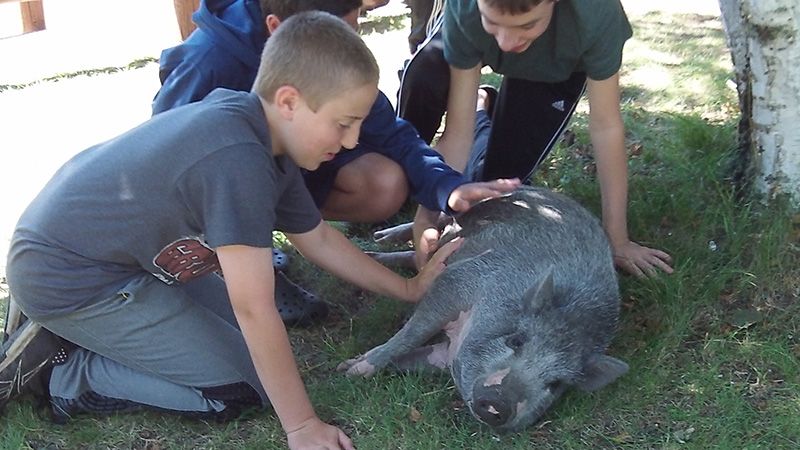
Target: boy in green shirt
548 52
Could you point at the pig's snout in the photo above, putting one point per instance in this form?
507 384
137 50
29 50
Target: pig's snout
490 406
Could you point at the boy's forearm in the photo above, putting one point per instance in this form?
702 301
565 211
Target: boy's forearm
613 178
331 250
456 141
607 132
425 218
249 278
274 361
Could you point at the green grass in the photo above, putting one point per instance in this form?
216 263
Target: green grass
713 348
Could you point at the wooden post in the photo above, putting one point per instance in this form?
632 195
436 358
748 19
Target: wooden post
183 12
32 16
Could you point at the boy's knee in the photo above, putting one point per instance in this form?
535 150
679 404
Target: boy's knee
377 184
387 190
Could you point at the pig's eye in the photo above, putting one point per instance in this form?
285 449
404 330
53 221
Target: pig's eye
516 341
553 385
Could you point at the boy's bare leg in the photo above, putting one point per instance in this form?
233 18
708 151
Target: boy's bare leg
370 189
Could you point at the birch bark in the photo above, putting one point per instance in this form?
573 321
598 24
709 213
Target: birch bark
764 39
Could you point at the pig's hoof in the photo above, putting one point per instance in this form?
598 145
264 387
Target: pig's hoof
357 367
361 369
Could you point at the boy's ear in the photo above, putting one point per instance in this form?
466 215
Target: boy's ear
287 99
272 21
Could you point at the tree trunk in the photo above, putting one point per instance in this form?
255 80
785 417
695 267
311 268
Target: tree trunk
764 39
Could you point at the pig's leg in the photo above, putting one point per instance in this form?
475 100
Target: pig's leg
428 358
397 233
422 326
404 259
404 231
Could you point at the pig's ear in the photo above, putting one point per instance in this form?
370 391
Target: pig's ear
540 296
600 371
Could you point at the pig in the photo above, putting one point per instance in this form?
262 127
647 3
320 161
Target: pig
529 305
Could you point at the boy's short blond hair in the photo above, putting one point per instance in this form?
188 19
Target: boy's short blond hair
318 54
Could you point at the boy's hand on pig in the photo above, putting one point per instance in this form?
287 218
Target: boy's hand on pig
420 284
466 195
425 235
425 246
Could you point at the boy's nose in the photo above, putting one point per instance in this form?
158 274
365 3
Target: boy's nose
506 40
350 138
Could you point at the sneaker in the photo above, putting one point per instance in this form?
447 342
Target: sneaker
26 357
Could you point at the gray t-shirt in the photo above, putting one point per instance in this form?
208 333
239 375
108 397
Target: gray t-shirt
159 199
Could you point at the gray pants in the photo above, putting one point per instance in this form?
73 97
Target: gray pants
156 345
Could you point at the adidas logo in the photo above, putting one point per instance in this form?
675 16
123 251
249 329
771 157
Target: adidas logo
559 105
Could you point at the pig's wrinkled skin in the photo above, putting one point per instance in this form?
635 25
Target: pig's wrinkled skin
529 304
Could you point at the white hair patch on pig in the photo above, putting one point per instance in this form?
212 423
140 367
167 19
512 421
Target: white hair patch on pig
550 213
456 331
497 377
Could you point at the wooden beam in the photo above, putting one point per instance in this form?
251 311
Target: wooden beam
32 16
183 12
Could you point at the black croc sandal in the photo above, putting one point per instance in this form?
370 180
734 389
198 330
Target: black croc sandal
297 307
280 260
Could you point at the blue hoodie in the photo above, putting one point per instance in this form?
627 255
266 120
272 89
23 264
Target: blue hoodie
225 51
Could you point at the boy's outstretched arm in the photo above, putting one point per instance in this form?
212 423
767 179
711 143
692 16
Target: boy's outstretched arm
454 145
459 126
607 133
463 197
250 280
328 248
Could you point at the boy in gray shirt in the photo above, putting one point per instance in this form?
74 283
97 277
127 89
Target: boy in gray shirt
123 253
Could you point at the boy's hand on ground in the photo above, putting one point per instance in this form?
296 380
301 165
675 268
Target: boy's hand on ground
432 269
466 195
316 434
641 261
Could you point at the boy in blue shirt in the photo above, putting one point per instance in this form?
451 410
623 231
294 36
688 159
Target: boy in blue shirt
366 184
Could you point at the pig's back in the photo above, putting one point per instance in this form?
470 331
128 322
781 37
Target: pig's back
513 241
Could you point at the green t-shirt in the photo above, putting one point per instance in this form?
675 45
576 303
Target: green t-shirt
583 36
